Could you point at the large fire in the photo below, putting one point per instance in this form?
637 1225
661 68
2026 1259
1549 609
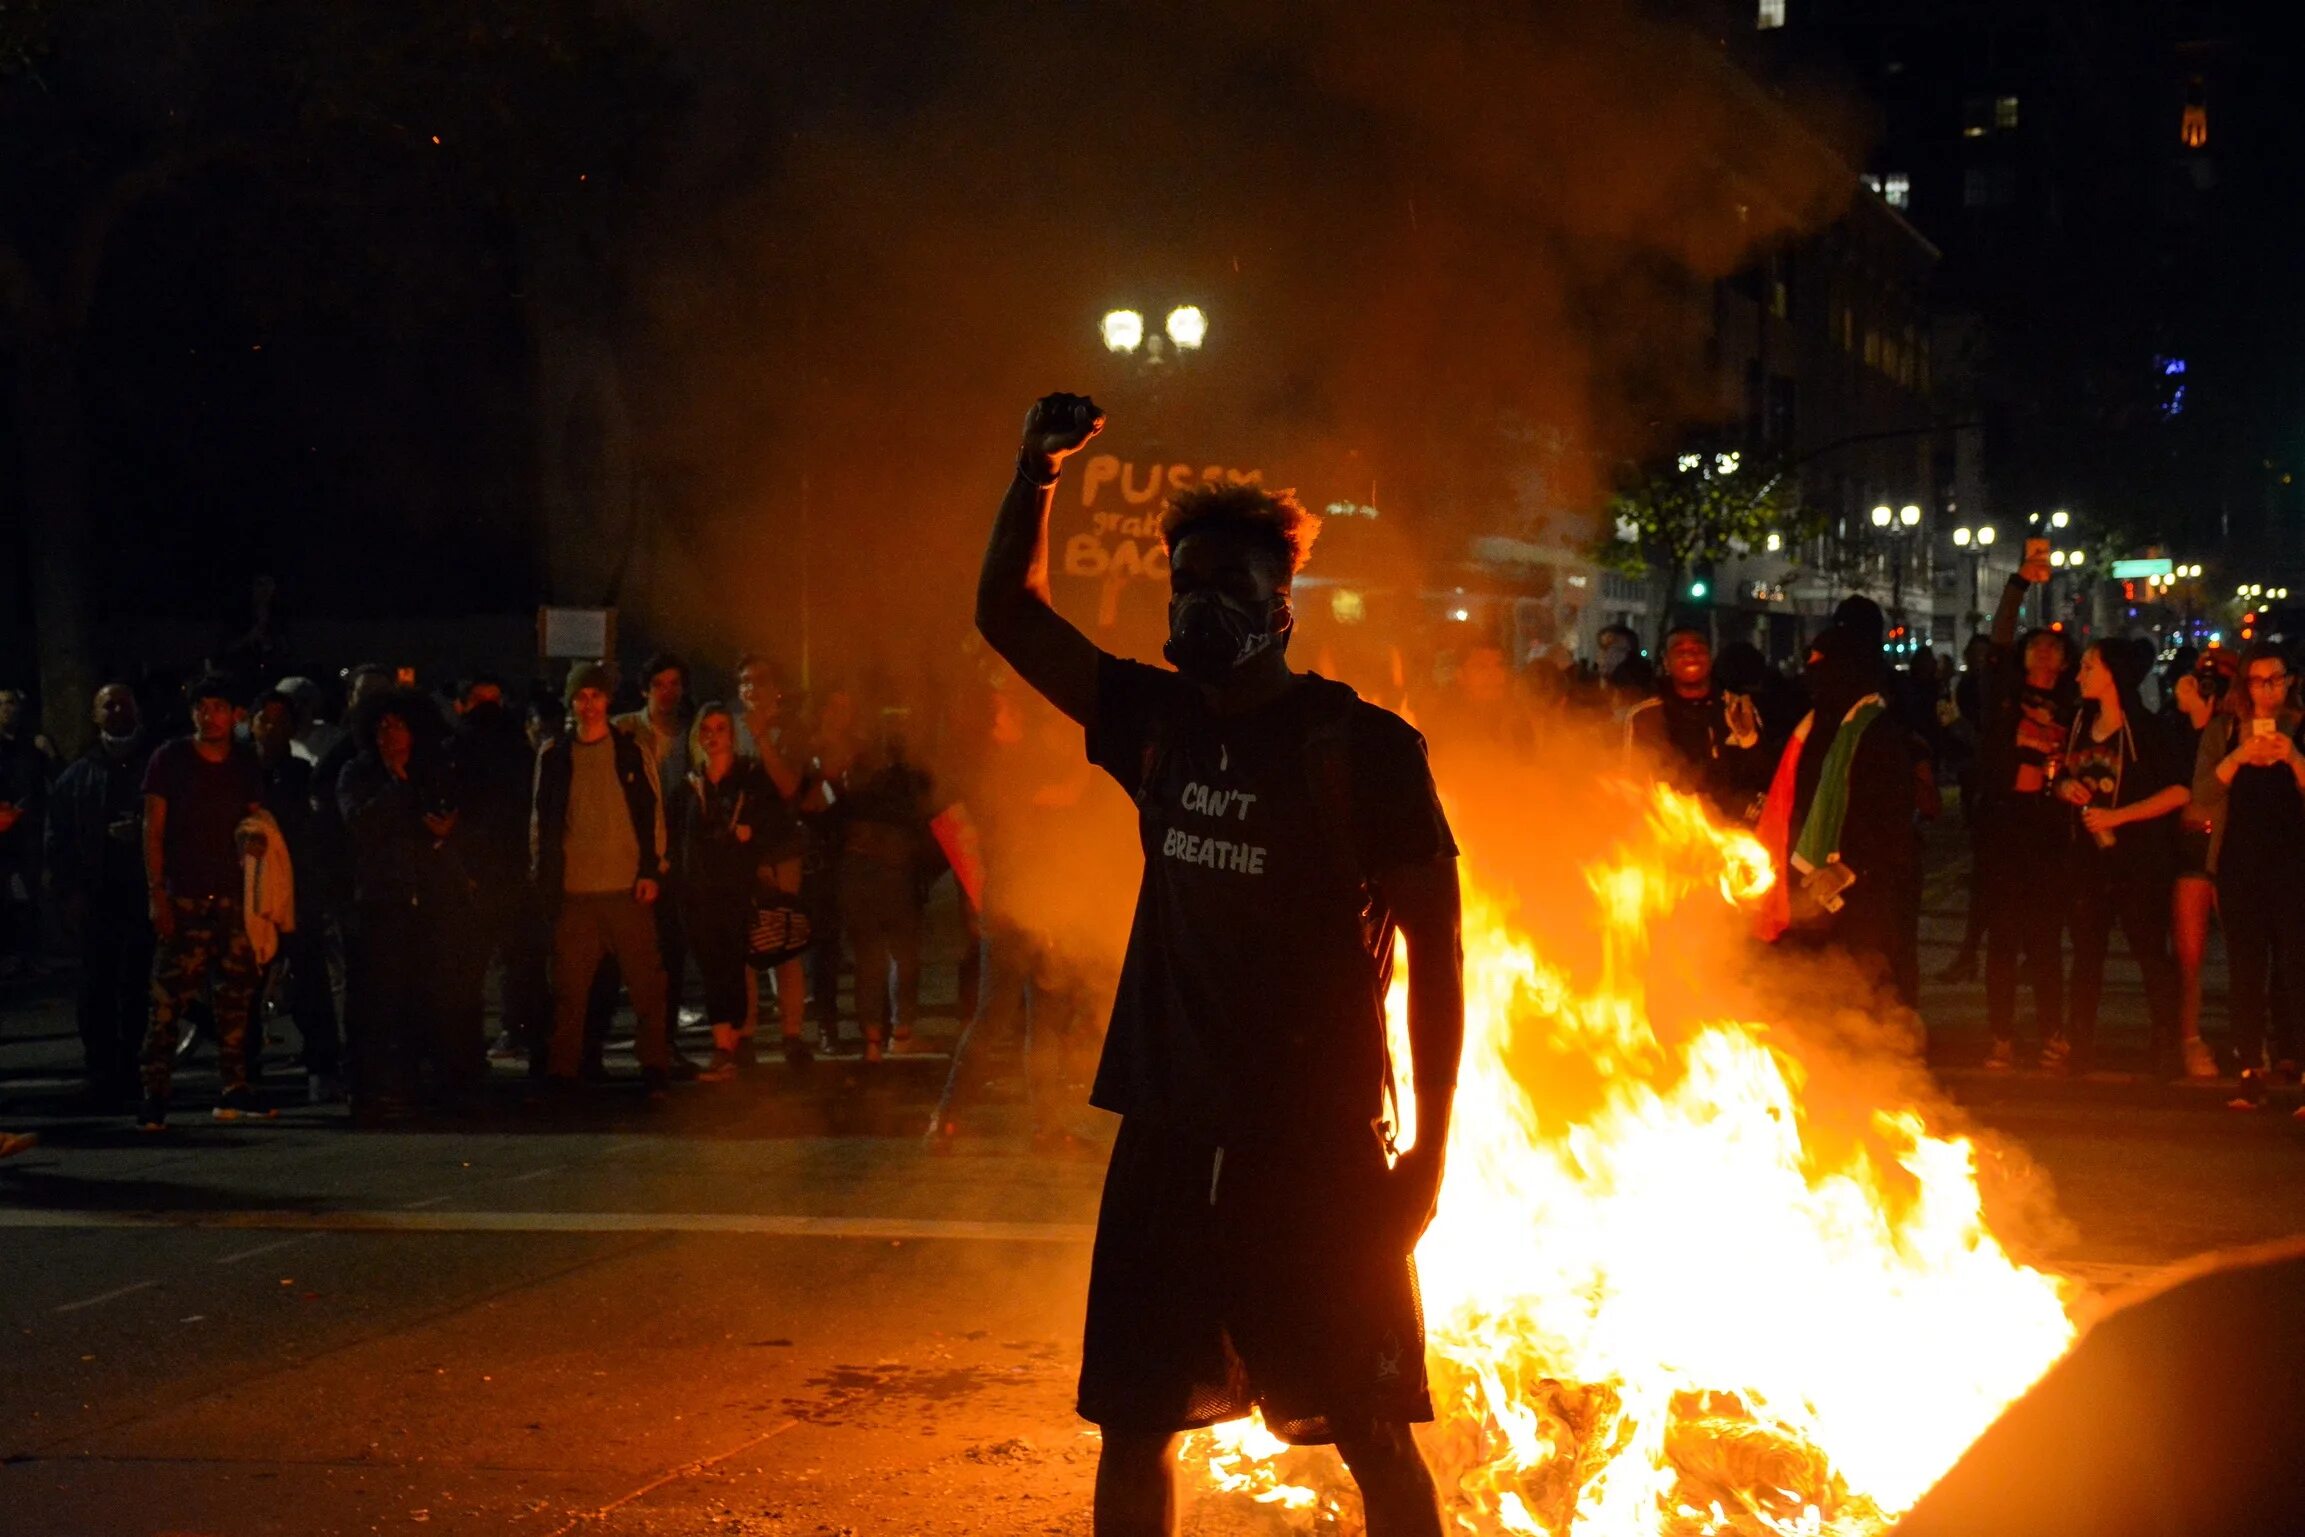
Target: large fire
1673 1287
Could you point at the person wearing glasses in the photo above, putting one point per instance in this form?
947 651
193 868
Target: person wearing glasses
2249 783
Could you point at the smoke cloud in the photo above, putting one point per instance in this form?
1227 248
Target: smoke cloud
1446 254
1455 260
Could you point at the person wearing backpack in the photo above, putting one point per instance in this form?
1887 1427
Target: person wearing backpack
1254 1247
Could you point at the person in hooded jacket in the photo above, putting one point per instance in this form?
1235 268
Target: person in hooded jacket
1843 796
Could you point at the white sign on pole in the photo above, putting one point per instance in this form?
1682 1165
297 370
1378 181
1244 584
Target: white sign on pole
576 633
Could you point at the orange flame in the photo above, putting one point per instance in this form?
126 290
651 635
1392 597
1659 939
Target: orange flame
1663 1296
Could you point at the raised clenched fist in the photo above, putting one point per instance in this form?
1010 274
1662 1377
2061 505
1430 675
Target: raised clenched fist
1059 425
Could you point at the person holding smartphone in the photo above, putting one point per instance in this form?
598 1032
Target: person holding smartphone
2249 785
2025 851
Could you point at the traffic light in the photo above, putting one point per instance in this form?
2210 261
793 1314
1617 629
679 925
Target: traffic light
1700 588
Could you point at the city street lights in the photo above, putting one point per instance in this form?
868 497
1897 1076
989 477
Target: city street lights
1124 331
1974 543
1897 523
1154 363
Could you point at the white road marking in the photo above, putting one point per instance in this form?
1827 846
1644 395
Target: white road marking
430 1200
117 1291
262 1248
522 1179
408 1221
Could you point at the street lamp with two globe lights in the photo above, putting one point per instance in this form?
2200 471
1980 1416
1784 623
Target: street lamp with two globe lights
1898 524
1973 543
1186 329
1156 359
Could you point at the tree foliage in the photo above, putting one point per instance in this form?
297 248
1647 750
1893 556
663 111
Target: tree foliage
1696 507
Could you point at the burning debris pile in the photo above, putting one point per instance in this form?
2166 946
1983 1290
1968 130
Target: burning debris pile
1673 1289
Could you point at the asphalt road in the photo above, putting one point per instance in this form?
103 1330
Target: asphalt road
763 1311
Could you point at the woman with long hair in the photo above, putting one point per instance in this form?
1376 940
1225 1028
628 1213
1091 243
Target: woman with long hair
740 840
2125 775
2199 692
2249 781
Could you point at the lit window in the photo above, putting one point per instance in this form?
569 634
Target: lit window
1897 190
1976 117
2193 128
1772 15
1848 329
1872 347
2005 112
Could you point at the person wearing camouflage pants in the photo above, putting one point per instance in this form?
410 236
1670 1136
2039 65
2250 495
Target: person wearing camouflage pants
210 946
196 791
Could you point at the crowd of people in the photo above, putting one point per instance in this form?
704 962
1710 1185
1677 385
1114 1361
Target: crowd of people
364 865
2087 809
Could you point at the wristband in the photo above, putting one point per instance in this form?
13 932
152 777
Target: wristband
1026 465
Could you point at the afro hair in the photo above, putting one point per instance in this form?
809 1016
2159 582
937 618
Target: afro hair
1275 520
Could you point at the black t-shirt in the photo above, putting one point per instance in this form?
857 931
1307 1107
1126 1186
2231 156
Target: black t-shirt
2131 765
1251 1000
205 804
2265 828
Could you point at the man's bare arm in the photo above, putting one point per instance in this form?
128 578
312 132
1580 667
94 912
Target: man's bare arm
1013 608
1426 905
156 866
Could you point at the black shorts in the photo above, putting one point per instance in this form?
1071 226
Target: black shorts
1266 1281
2193 852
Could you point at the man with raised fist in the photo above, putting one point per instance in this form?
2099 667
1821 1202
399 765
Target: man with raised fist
1261 1207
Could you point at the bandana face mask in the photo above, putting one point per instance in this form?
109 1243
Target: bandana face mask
1211 637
